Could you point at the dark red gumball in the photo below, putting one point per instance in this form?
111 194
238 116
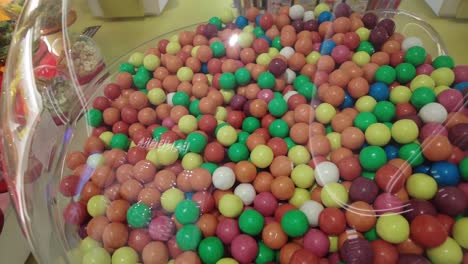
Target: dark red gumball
98 131
69 185
404 109
75 213
205 201
277 67
458 135
357 250
120 127
210 31
162 44
207 123
101 103
260 45
267 120
451 201
349 168
214 66
304 256
136 154
142 137
397 58
427 231
266 21
112 91
369 20
311 25
351 40
263 131
417 207
363 189
129 115
235 119
298 25
378 36
388 25
332 221
169 137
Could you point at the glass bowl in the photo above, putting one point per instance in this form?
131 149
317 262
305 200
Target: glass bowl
54 75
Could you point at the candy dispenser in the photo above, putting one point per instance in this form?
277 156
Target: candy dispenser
300 136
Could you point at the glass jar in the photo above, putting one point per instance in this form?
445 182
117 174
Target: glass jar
81 197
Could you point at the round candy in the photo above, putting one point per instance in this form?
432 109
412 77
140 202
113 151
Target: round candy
124 255
244 248
223 178
372 158
326 172
415 55
405 131
334 195
261 156
230 205
210 250
378 134
251 222
96 256
393 228
448 252
312 210
427 231
139 215
421 186
460 232
171 198
187 212
188 237
294 223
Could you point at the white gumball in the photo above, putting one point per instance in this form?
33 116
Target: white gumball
433 112
223 178
326 172
169 97
289 75
288 95
312 210
308 15
411 42
287 52
246 192
296 12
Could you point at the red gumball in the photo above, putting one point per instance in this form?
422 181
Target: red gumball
332 221
266 21
427 231
303 256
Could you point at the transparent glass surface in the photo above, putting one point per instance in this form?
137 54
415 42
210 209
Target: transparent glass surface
53 75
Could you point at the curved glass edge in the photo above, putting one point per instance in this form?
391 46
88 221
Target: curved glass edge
34 190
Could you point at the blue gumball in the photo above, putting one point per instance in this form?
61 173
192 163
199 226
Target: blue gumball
426 169
325 16
327 47
189 195
204 68
379 91
391 151
461 86
348 101
267 39
445 173
241 22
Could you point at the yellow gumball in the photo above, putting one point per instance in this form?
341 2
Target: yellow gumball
334 195
440 89
299 155
171 198
192 161
230 205
405 131
363 33
106 137
227 261
227 95
300 196
167 154
273 52
303 176
261 156
421 186
378 134
447 253
366 104
335 140
313 57
263 59
321 8
361 58
324 113
227 16
460 232
187 124
221 113
443 76
422 80
400 94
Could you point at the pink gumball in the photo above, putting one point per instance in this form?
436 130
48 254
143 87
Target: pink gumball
316 242
451 99
387 203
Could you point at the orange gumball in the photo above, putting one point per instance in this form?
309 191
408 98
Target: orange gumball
273 235
282 187
352 138
437 148
319 145
245 171
360 216
341 121
287 251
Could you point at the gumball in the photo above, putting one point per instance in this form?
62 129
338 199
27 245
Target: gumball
393 228
450 200
363 189
427 231
417 207
448 251
384 252
360 216
244 248
303 256
357 249
332 221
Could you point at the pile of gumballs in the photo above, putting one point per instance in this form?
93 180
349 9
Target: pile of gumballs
300 137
